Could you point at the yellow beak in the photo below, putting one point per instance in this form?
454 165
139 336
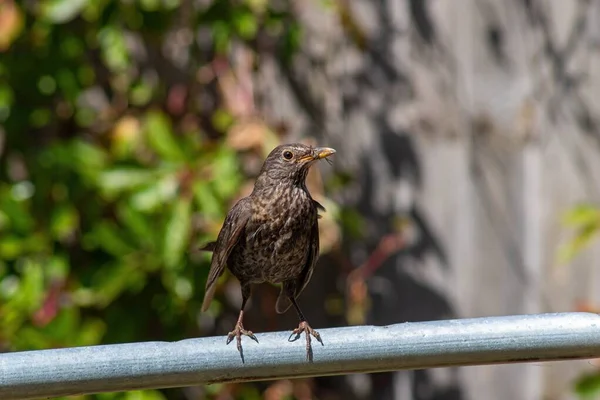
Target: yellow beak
318 153
322 152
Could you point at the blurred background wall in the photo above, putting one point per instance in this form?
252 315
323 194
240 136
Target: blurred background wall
465 182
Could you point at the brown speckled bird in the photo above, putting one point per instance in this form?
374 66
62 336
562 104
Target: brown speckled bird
272 236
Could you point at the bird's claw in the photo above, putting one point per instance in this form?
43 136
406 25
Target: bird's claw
237 333
303 326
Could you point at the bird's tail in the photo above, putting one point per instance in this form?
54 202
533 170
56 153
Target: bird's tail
283 303
208 296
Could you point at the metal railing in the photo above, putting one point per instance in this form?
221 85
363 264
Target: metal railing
477 341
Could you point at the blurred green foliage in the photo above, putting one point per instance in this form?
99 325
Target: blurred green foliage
110 175
588 386
584 221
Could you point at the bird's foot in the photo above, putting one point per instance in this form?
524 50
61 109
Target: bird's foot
303 326
237 333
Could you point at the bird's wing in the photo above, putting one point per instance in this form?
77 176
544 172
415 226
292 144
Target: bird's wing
234 224
296 287
311 260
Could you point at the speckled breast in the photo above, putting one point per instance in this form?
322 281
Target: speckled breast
274 246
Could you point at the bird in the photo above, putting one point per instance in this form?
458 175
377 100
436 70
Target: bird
272 235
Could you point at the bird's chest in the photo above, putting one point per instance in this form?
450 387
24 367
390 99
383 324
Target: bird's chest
277 237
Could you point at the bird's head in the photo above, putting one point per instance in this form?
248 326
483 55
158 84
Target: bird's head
290 162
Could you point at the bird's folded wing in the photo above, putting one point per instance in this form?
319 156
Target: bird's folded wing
234 225
311 260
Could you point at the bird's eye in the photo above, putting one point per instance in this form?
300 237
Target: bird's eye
288 155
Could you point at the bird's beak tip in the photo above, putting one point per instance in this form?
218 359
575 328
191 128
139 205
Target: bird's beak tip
323 152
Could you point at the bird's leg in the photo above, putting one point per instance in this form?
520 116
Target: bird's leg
239 330
303 326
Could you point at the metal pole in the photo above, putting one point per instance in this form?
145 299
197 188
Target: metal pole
61 372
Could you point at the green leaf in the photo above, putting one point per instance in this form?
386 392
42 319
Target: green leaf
177 232
88 155
4 221
30 338
157 194
221 36
72 46
183 288
114 47
112 280
64 325
586 219
257 6
171 4
150 5
205 197
87 159
47 85
159 132
141 93
120 179
582 214
292 41
6 101
61 11
90 333
56 267
246 24
64 221
11 247
9 285
226 176
588 386
107 236
583 238
30 295
20 219
69 84
40 117
137 223
222 120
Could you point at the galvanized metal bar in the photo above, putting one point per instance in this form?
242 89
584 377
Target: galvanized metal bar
59 372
